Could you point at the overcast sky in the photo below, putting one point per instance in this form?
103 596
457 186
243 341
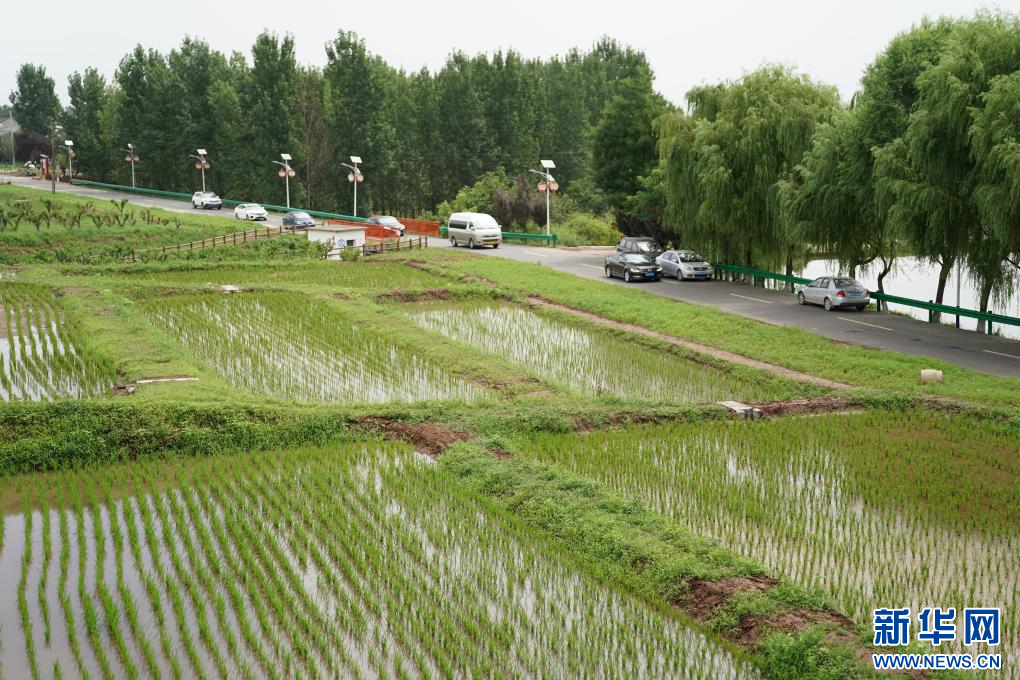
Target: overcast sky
686 43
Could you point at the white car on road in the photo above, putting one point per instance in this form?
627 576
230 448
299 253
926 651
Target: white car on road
250 211
206 200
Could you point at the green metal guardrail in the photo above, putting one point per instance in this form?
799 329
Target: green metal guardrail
226 202
518 236
931 307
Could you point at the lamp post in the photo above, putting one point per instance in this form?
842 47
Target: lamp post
286 173
547 184
354 177
131 158
70 160
202 164
53 157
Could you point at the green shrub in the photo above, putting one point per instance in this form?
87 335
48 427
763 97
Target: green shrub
582 229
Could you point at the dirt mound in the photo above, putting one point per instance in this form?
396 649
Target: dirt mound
415 295
426 437
705 596
804 406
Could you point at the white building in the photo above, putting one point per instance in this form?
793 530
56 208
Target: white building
339 235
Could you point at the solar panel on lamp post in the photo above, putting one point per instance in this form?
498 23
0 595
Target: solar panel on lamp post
355 177
286 173
550 184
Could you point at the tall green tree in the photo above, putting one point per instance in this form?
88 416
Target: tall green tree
727 161
934 172
34 102
271 120
88 97
623 143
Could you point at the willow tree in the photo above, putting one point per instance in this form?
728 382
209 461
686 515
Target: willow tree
834 200
996 140
726 160
938 172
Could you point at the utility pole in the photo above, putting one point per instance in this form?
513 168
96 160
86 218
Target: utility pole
355 177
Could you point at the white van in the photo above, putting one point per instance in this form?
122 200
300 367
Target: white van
473 230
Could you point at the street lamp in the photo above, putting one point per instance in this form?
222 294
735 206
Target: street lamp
547 184
131 158
53 157
70 160
202 164
286 173
354 177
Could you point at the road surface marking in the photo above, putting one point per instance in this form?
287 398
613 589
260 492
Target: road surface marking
535 252
751 298
592 266
865 323
1001 354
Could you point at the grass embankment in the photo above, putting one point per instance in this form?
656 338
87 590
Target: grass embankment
39 227
791 347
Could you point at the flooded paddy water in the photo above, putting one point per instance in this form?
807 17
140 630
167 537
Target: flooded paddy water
288 346
41 355
587 361
355 561
875 509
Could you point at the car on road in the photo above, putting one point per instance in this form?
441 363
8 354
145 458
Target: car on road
250 211
633 267
834 292
298 219
473 230
684 264
206 200
642 245
387 222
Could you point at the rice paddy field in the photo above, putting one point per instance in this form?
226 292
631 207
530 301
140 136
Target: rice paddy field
362 560
42 356
369 275
586 361
287 346
392 468
877 509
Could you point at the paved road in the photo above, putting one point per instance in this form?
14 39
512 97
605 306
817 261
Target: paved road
989 354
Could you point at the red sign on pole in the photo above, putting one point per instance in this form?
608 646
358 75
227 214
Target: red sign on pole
553 185
542 185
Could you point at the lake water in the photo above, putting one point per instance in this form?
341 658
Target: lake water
914 278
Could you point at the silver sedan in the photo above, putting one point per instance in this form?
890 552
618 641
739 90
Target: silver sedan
684 264
833 292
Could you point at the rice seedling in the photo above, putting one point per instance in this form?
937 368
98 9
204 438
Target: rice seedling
42 356
879 510
360 275
357 561
290 347
587 361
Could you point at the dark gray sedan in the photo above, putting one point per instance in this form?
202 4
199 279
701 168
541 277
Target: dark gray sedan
633 267
834 292
684 264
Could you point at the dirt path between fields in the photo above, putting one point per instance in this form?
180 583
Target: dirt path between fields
694 346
